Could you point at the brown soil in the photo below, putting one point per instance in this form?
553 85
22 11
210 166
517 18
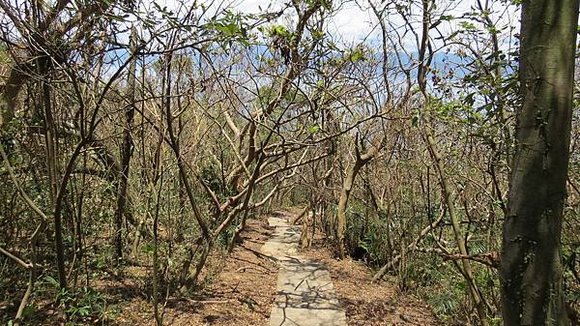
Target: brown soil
245 284
367 303
240 289
240 293
247 279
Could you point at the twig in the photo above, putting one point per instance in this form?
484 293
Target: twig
412 246
243 269
491 259
25 298
208 301
16 259
23 194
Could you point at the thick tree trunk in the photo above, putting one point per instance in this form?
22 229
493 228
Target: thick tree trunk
531 264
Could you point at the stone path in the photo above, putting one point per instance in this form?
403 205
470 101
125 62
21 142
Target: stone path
305 294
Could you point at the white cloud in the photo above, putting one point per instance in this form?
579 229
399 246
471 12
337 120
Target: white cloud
353 21
349 23
352 24
257 6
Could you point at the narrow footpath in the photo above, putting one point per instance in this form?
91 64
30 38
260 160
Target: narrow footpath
304 293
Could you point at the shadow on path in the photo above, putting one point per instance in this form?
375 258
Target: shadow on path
305 294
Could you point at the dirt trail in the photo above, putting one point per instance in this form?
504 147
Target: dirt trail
305 294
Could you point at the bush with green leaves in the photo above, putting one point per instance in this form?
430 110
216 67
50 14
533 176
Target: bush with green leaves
84 304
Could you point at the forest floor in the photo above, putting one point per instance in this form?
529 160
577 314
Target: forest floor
247 280
240 289
369 303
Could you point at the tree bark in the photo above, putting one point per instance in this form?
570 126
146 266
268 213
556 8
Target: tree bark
531 259
51 159
347 185
342 205
126 152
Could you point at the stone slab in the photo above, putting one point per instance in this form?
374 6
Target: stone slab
305 295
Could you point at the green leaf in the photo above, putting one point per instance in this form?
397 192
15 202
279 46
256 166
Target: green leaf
279 31
357 54
50 280
313 129
28 310
468 26
148 248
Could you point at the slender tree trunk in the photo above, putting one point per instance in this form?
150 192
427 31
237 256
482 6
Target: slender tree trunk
18 76
181 164
448 194
51 159
347 185
156 275
531 272
449 200
78 223
126 153
342 205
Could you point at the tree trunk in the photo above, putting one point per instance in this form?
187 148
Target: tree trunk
51 159
347 185
18 76
449 200
531 272
342 204
126 153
